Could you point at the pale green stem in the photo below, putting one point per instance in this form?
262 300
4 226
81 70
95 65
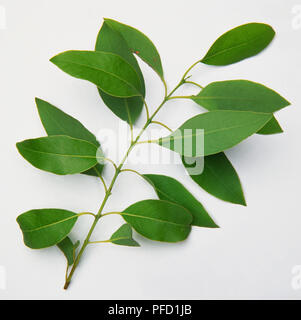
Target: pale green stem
179 97
162 124
133 171
194 83
146 109
102 179
86 213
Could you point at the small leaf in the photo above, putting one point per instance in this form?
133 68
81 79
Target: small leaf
110 40
159 220
170 189
124 237
140 44
223 129
59 154
240 95
239 43
219 178
108 71
44 228
57 122
68 249
272 127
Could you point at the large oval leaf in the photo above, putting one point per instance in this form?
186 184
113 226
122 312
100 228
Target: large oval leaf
140 44
59 154
108 71
124 237
44 228
219 178
159 220
110 40
239 43
57 122
220 130
240 95
170 189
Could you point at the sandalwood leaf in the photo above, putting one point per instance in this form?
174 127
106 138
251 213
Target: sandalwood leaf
220 130
219 178
124 237
159 220
272 127
44 228
108 71
57 122
59 154
245 96
139 44
111 40
170 189
239 43
68 248
240 95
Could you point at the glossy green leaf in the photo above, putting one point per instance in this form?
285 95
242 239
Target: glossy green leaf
124 237
272 127
108 71
68 249
219 178
44 228
239 43
59 154
140 44
110 40
245 96
223 129
240 95
170 189
159 220
57 122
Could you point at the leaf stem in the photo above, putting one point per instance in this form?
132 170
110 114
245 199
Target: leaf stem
179 97
86 213
189 69
109 160
117 172
194 83
131 170
162 124
102 179
146 109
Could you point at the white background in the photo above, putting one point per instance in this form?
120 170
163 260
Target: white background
254 252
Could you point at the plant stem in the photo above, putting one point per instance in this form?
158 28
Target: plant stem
117 172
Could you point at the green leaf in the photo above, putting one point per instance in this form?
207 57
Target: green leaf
140 44
223 129
68 249
110 40
245 96
240 95
57 122
219 178
124 237
159 220
170 189
108 71
59 154
239 43
272 127
44 228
